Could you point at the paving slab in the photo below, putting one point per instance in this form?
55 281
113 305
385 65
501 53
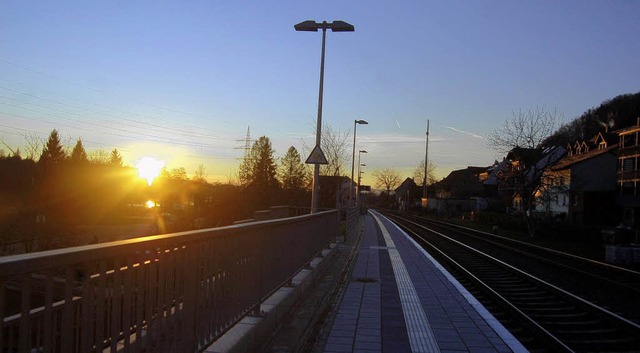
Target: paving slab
399 299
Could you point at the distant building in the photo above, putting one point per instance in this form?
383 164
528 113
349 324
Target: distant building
462 190
408 195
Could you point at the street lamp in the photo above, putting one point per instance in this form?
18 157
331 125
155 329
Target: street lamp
313 26
359 177
426 164
353 154
358 193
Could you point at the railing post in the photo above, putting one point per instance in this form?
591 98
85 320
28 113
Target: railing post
190 292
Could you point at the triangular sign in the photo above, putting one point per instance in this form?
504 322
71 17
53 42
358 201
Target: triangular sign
316 157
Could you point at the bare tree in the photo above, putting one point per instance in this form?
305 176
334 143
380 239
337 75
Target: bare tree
33 145
386 178
520 139
200 174
335 145
15 152
418 173
99 157
525 128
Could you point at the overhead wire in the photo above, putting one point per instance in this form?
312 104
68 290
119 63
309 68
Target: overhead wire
157 127
97 90
147 126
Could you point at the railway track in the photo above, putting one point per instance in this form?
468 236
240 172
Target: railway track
522 287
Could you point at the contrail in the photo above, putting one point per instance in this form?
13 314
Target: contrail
394 118
464 132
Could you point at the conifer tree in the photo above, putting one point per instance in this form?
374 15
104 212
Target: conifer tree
53 153
78 154
293 174
116 158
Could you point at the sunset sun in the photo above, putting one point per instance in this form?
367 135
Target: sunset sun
149 168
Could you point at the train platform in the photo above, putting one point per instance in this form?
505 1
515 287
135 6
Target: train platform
399 299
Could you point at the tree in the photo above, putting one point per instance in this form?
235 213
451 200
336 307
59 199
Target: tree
525 129
200 174
294 176
78 154
292 172
100 157
618 112
53 153
178 173
259 171
521 138
335 146
418 173
116 158
33 145
386 178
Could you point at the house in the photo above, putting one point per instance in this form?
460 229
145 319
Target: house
628 180
408 195
334 191
519 177
462 184
581 186
462 190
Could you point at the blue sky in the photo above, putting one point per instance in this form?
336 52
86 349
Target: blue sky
182 80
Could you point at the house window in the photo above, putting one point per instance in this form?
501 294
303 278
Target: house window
627 188
628 140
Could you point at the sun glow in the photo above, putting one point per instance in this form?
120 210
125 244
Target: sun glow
149 168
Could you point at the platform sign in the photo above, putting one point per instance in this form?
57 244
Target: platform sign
316 157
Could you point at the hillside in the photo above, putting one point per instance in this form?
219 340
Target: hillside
619 112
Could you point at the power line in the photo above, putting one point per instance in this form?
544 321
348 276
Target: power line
172 130
98 90
44 136
137 138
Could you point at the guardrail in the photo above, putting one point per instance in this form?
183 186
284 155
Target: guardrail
167 293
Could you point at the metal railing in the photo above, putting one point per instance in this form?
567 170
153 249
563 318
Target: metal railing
167 293
352 221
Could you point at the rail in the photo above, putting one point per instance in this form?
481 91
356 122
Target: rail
166 293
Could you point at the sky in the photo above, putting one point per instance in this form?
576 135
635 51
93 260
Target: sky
182 81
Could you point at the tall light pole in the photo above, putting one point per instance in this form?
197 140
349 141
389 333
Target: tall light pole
313 26
359 176
353 154
360 152
426 163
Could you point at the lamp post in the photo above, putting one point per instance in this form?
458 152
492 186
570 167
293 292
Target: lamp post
313 26
359 178
360 152
426 163
353 154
